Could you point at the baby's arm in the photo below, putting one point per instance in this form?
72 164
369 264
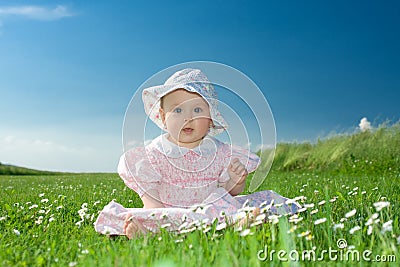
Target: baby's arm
151 200
238 174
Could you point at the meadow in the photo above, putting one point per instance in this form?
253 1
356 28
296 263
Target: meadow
350 215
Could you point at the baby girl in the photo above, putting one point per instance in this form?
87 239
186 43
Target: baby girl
185 167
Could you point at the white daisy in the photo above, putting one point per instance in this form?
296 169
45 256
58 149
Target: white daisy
314 211
354 229
319 221
338 226
372 219
221 226
303 234
381 204
369 231
245 232
350 213
387 227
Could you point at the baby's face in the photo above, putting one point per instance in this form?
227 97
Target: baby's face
186 116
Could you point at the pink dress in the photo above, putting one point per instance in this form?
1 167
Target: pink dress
188 182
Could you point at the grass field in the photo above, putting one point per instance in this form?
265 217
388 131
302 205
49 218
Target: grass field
47 220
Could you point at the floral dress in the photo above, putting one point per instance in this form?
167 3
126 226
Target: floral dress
188 184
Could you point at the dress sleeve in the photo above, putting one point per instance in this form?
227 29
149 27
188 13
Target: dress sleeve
137 172
246 157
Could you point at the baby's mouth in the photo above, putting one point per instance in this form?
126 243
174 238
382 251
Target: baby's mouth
187 130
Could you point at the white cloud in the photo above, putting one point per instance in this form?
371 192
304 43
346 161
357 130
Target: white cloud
36 12
264 147
70 152
365 125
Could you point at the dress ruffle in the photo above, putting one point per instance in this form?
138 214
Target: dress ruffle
223 207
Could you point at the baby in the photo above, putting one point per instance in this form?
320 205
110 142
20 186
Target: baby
185 167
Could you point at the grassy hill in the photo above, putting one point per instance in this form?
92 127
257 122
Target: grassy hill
6 169
374 151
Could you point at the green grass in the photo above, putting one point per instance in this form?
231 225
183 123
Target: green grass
375 151
39 215
57 240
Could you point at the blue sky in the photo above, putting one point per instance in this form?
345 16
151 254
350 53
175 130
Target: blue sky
68 69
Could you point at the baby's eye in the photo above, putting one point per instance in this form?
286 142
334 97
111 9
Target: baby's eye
198 110
178 110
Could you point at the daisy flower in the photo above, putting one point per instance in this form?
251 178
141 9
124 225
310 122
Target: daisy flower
381 204
350 213
319 221
354 229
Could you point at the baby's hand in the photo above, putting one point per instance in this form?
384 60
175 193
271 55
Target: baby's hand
237 171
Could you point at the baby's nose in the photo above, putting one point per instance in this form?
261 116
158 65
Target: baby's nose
188 117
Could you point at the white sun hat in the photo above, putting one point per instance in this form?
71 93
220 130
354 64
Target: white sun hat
192 80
